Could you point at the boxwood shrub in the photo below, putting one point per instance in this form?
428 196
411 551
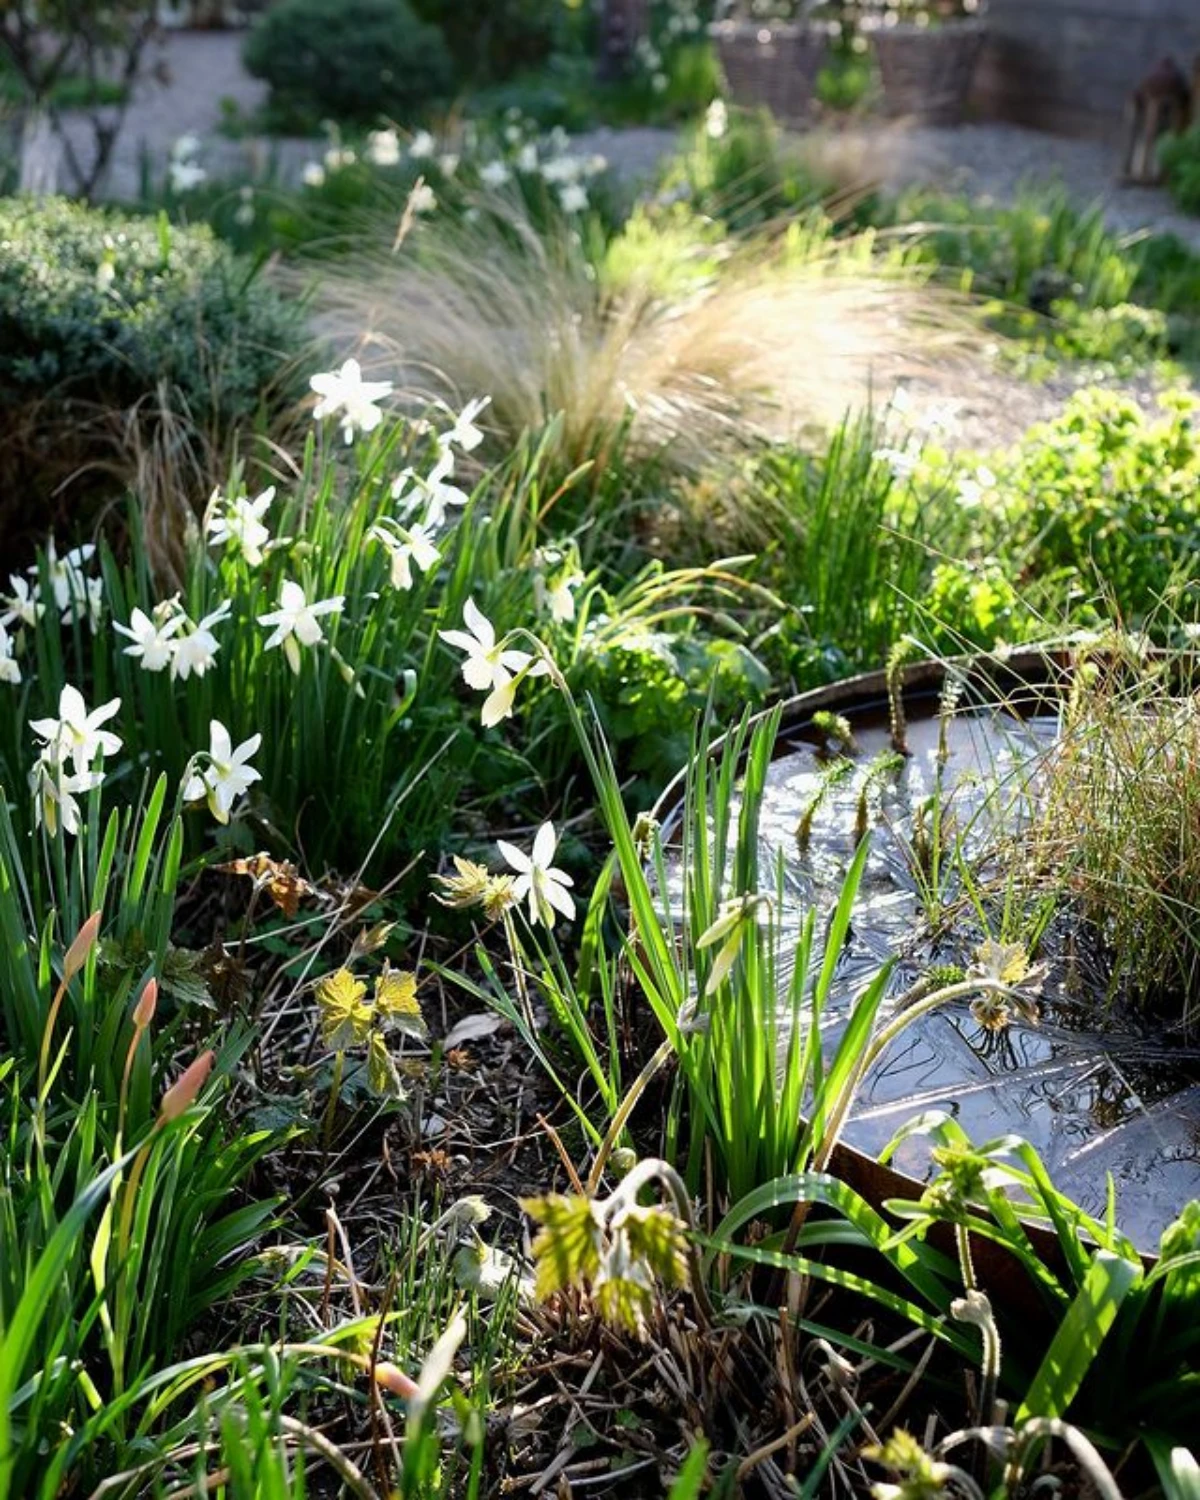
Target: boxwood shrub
349 60
102 314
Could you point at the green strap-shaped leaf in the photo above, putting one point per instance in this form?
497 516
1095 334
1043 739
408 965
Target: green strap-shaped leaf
1083 1329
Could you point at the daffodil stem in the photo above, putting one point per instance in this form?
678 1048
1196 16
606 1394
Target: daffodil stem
654 1169
331 1104
624 1110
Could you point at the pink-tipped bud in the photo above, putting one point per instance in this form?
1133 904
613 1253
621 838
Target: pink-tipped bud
393 1379
143 1011
85 941
183 1092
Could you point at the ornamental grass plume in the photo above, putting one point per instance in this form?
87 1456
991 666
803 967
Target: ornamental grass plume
492 304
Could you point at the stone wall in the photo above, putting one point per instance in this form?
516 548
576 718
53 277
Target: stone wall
1069 65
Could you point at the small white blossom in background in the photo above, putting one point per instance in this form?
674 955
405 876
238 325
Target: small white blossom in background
449 163
973 488
489 665
465 433
195 651
422 199
151 637
226 774
346 395
903 462
185 147
716 120
10 668
297 622
338 158
527 157
537 879
383 148
494 174
557 599
76 595
313 174
422 146
186 176
573 198
405 546
23 605
238 521
243 214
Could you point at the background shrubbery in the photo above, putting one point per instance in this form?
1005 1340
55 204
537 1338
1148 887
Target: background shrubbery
103 315
352 61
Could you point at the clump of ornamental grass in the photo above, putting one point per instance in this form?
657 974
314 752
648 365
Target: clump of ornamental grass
1118 829
486 303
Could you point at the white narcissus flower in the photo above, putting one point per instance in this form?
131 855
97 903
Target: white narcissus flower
527 157
545 886
406 546
338 157
76 734
151 637
10 668
422 146
573 198
449 163
55 795
465 432
184 147
558 598
24 606
489 665
434 491
313 175
239 520
383 148
186 176
196 651
68 583
494 174
227 775
346 395
297 622
422 199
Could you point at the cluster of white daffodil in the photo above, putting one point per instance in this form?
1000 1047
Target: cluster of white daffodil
520 151
672 22
73 592
167 638
69 758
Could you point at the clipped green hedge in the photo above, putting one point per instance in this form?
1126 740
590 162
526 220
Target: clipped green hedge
350 60
101 313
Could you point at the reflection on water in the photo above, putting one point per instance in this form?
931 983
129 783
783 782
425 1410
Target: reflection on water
1120 1102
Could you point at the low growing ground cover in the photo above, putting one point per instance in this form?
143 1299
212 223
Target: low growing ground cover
391 1105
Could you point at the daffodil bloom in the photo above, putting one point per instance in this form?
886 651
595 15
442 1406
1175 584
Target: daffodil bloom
434 491
238 520
76 596
185 175
489 665
538 880
152 643
227 773
494 175
422 146
383 148
10 670
297 622
422 199
55 793
527 157
573 198
339 157
194 652
76 734
465 433
405 546
24 606
353 400
313 174
558 598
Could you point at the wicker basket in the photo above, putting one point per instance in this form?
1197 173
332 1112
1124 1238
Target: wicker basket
926 71
771 65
